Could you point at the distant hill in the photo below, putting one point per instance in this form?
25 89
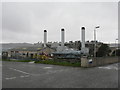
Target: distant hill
6 46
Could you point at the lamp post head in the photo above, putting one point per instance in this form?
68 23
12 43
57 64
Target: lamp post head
97 27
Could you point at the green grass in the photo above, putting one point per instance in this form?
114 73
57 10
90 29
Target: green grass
64 63
23 60
78 64
6 60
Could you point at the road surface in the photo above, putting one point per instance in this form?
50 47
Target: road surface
31 75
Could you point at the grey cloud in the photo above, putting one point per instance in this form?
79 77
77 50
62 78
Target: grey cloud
30 19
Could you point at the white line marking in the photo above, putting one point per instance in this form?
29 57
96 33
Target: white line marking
109 67
32 62
24 76
19 71
105 67
10 78
16 77
47 67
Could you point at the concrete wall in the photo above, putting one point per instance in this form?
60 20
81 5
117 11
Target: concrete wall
99 61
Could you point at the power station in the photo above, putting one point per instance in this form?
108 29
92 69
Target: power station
63 48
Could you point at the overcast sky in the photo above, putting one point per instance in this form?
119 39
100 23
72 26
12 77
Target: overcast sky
26 21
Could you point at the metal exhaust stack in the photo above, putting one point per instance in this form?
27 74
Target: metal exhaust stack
45 37
62 37
83 36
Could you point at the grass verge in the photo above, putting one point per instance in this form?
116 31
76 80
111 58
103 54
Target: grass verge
77 64
64 63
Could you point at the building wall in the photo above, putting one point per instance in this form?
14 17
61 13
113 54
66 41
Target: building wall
29 54
99 61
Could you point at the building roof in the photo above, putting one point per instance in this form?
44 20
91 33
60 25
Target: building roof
28 49
74 52
114 45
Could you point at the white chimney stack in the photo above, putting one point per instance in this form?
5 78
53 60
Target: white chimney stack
62 37
45 37
83 36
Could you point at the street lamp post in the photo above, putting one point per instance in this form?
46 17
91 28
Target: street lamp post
115 46
95 40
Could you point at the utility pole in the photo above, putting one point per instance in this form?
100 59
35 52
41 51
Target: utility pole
95 40
115 46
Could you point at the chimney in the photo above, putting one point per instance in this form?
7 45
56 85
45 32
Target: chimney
83 36
62 37
45 37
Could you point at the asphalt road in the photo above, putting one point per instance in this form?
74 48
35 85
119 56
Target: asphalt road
30 75
0 74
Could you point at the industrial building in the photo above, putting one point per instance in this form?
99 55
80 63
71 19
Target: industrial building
62 50
29 53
